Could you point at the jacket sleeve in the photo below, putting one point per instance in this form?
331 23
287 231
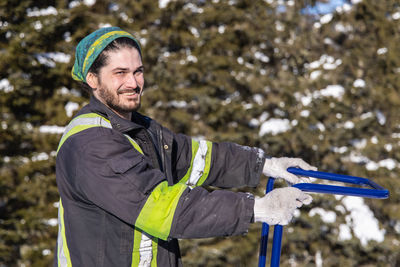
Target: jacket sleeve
105 171
225 165
201 214
234 165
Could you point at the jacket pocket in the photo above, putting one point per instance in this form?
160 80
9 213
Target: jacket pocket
125 161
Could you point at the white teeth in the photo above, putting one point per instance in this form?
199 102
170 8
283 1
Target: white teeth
128 93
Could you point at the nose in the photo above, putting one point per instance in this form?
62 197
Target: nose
131 81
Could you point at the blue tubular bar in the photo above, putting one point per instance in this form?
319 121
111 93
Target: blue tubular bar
276 246
265 231
262 257
375 191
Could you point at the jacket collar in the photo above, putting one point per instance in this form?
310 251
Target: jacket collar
118 123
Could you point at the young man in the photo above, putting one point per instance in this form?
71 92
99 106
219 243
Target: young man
130 187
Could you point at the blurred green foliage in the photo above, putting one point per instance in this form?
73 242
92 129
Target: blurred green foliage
217 69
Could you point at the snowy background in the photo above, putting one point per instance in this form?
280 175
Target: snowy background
328 94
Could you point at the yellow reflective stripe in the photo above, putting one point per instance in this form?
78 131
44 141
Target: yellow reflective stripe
137 242
137 237
134 144
156 216
207 165
93 47
200 164
195 147
64 238
79 128
154 244
73 131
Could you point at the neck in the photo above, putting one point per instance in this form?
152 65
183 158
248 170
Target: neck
124 115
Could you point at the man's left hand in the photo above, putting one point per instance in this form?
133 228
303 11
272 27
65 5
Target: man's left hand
277 168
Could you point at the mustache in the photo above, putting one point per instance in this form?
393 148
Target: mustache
136 90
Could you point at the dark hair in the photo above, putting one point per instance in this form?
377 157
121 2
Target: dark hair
102 58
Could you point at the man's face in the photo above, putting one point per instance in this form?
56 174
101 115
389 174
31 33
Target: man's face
120 82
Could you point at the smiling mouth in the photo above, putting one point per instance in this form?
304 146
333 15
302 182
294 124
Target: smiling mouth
129 92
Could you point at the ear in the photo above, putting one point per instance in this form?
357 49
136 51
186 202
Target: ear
91 80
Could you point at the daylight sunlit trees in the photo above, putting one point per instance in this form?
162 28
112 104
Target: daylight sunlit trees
274 74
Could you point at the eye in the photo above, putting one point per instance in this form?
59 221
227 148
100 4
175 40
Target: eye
138 71
119 73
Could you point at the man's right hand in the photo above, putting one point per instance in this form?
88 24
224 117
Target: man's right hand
278 206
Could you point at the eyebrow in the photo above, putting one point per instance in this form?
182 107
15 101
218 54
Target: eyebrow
127 69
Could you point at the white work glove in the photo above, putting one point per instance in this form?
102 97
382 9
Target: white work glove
278 206
277 168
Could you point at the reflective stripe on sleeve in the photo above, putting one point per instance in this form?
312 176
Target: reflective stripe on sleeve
63 257
83 122
154 244
157 214
201 164
195 148
207 166
145 250
137 237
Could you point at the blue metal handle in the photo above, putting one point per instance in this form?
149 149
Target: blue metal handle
375 191
265 231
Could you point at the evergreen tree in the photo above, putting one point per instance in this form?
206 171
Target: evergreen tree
222 70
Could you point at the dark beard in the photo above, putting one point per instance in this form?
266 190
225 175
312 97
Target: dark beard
121 109
112 103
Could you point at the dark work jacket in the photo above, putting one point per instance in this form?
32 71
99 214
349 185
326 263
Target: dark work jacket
104 184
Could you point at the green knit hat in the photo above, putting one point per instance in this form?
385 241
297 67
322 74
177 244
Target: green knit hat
90 47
